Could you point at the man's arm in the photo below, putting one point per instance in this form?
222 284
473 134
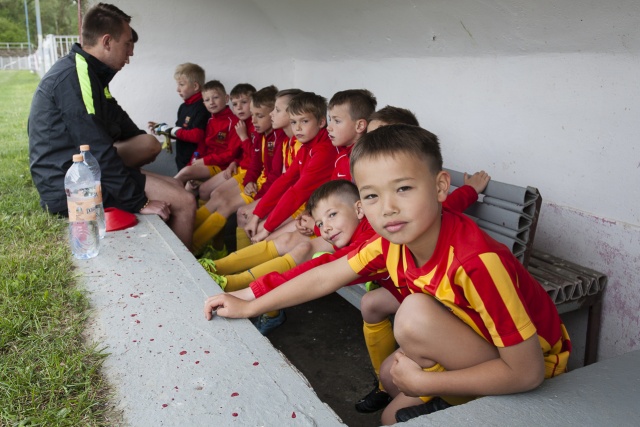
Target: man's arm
311 285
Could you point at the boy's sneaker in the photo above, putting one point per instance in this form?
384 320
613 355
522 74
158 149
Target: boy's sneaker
433 405
374 401
266 324
210 267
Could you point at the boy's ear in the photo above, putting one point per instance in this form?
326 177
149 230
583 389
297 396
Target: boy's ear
361 126
226 99
443 182
322 123
198 88
359 211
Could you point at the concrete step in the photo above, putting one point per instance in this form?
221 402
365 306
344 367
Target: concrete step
167 364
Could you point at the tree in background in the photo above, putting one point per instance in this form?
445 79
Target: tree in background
58 17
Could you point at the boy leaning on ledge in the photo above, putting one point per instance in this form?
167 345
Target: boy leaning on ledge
476 322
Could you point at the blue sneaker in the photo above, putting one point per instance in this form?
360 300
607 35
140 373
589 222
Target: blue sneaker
266 324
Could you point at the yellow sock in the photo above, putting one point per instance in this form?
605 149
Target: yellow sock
273 313
201 215
380 343
246 258
242 280
202 202
207 231
242 240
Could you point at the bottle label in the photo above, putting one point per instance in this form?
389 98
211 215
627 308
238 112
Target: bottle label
98 193
83 209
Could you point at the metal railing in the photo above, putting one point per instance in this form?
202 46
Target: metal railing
53 47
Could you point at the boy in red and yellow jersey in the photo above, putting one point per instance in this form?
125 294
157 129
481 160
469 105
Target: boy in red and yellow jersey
476 322
311 167
230 195
215 152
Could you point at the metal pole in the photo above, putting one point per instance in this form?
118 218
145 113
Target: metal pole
80 21
39 28
26 18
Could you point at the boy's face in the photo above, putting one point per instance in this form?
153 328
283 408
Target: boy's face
375 124
185 88
305 126
343 130
279 115
401 199
240 106
214 100
337 219
261 119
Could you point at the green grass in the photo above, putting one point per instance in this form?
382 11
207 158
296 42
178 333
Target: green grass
49 376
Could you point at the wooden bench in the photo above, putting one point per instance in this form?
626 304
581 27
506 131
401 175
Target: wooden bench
509 214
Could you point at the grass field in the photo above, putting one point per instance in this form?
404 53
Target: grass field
48 375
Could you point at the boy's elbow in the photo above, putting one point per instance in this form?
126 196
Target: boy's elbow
532 377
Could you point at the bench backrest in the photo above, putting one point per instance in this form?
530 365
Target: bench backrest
508 213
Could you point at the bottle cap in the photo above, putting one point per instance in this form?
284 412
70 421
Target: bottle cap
84 147
78 158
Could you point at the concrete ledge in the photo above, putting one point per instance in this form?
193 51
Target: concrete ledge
167 364
601 394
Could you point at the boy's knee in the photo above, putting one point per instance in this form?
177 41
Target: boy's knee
415 316
302 251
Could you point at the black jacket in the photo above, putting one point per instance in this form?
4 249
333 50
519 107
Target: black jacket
63 116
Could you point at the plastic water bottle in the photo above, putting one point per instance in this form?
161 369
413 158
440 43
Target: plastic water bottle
80 187
91 161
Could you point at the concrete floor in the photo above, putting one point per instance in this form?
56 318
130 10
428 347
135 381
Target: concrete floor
323 339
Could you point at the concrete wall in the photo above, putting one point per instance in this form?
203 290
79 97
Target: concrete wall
538 93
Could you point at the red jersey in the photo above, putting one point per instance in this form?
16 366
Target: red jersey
310 169
342 169
479 280
218 146
289 151
460 199
244 148
267 160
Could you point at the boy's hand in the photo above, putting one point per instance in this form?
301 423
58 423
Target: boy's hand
404 373
305 224
152 127
226 305
230 171
261 234
251 189
478 180
252 226
241 130
197 162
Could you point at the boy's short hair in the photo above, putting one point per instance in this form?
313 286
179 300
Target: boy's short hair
361 102
214 85
242 89
289 92
337 187
394 116
193 72
308 102
102 19
393 140
265 97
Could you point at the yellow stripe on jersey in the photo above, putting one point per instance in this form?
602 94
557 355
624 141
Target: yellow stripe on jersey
507 290
463 279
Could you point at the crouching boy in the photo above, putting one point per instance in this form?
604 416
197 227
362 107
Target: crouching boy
476 323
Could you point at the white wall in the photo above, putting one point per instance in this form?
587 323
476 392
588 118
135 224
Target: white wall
538 93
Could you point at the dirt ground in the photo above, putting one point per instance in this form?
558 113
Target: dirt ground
323 339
